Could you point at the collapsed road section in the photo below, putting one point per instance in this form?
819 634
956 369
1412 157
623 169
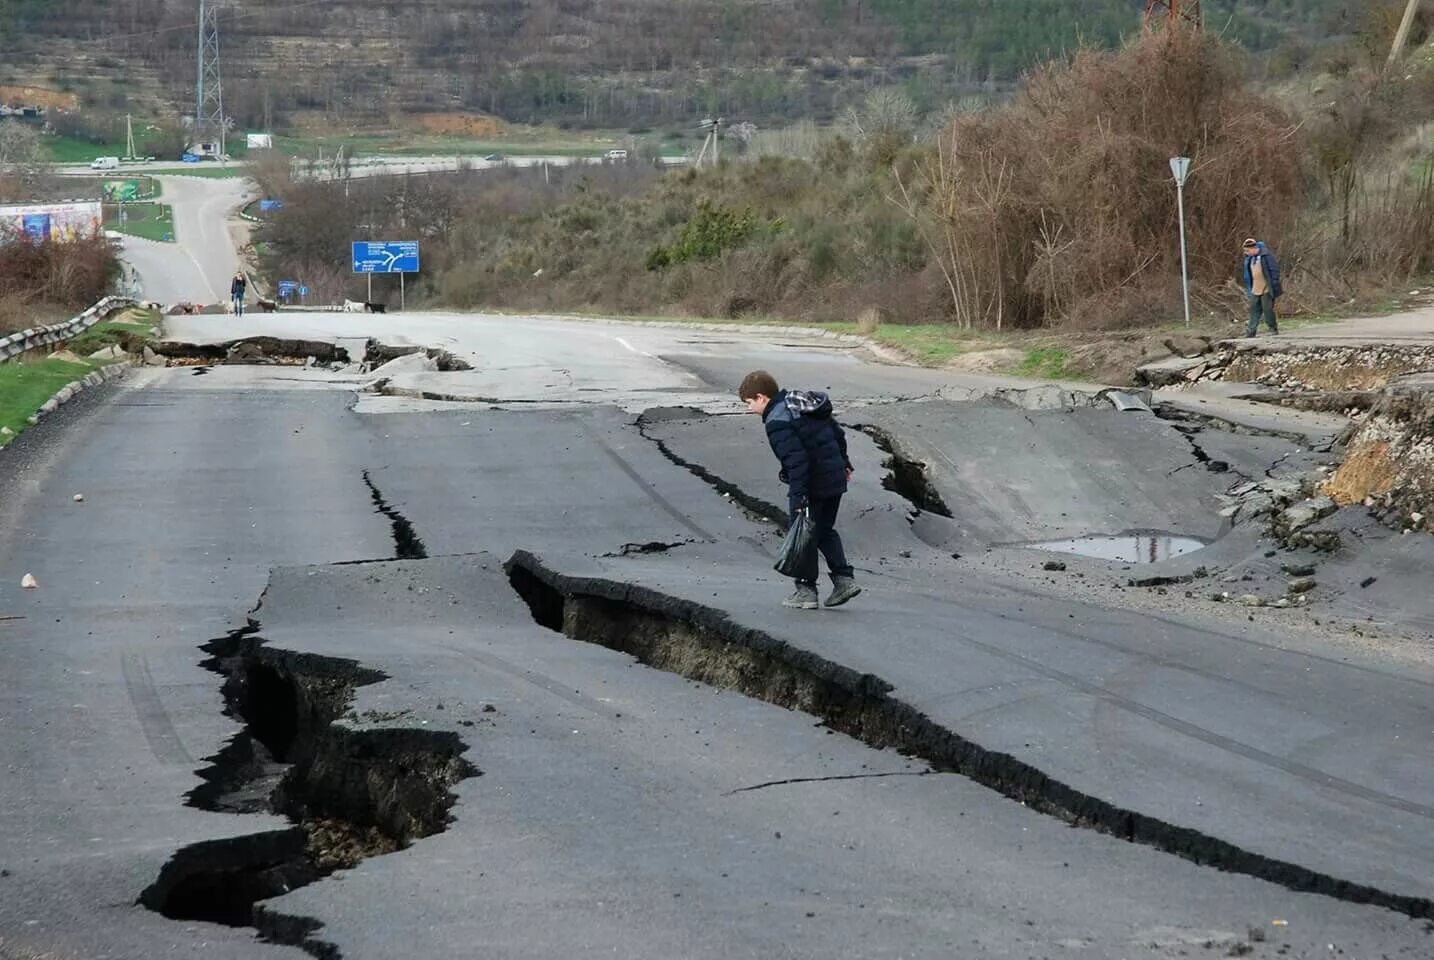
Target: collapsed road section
351 793
704 644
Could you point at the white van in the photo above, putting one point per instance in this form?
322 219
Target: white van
616 155
104 163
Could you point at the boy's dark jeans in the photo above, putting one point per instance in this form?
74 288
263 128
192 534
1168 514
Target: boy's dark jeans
1263 304
824 516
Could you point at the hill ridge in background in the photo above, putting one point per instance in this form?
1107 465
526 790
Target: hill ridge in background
583 63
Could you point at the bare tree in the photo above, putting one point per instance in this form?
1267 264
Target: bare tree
21 160
886 112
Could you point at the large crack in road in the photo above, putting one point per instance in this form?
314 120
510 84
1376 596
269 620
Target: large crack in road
351 793
906 476
407 544
704 644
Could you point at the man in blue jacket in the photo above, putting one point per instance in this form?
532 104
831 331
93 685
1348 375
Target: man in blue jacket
812 449
1262 286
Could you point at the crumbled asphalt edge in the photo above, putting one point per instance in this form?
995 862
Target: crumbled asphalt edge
377 353
351 793
906 476
642 549
270 347
407 544
704 644
1174 415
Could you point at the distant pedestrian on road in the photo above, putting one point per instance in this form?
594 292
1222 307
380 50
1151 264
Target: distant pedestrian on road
1262 286
237 286
811 446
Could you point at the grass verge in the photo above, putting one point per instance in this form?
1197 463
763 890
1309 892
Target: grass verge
130 330
1045 363
152 221
24 387
232 171
74 150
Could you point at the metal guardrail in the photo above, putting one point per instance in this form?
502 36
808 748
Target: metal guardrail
35 337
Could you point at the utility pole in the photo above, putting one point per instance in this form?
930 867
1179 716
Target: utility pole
209 91
713 127
1180 167
1401 36
129 152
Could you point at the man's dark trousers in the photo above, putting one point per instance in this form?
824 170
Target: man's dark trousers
1263 304
823 512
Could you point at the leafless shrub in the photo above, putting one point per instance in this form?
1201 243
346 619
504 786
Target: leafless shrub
70 275
1065 194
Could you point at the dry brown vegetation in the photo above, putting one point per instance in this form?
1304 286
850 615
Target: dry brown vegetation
1061 206
40 282
1054 211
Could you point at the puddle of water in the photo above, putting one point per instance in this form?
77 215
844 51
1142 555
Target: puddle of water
1124 547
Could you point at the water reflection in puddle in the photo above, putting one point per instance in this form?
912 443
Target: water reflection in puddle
1124 547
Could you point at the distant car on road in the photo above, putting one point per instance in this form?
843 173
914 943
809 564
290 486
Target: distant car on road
104 163
114 238
494 158
616 155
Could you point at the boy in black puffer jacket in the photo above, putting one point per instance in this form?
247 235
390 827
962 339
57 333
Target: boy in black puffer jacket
812 448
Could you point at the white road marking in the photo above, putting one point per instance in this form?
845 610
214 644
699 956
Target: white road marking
634 349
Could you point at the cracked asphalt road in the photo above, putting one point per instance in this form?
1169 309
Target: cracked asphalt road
614 810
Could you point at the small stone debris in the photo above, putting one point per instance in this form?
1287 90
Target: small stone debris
1298 569
1301 585
28 582
1054 566
1367 582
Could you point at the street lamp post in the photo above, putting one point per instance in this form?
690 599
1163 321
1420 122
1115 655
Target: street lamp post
1180 166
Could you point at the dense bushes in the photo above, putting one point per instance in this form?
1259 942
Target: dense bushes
1040 208
1054 209
41 279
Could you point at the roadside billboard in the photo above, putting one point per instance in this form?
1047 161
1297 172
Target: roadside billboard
122 191
259 141
60 222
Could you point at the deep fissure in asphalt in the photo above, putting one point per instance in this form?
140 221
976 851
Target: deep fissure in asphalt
704 644
906 476
406 543
351 793
1191 434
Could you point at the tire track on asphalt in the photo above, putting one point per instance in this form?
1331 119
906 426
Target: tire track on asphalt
646 487
154 720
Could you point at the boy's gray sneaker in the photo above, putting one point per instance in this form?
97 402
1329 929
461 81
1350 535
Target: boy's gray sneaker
804 599
843 589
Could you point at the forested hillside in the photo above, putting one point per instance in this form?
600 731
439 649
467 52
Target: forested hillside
588 62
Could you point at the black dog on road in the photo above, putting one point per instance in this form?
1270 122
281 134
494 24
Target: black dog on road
374 307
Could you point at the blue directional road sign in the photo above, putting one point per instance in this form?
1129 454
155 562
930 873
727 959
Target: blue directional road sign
385 256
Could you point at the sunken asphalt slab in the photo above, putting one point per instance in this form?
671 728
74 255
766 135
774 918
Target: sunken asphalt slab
621 809
195 490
